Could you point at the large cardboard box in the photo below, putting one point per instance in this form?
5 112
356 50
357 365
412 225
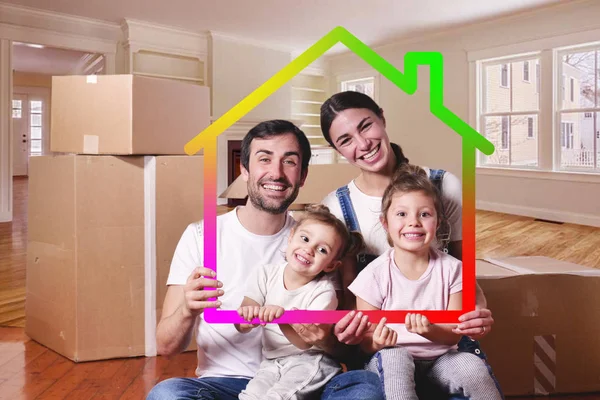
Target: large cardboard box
547 324
125 114
101 234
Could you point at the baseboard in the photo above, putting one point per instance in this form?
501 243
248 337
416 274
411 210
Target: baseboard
5 216
543 213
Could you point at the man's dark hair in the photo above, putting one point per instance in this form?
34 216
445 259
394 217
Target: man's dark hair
267 129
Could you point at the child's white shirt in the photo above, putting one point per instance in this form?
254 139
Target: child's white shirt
266 287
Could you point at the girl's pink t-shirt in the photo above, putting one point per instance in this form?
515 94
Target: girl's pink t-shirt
382 285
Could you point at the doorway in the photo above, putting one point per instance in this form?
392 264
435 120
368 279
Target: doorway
34 65
30 124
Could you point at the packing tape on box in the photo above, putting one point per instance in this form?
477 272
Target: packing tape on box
150 255
90 144
544 362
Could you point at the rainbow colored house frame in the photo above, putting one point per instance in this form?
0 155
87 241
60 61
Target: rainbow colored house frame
407 81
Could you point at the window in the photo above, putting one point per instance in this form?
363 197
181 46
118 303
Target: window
504 75
504 133
509 117
35 140
16 109
364 85
578 115
509 111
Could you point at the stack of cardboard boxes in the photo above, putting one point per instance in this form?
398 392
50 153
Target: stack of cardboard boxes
106 213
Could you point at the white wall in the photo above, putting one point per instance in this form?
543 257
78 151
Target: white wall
411 125
236 69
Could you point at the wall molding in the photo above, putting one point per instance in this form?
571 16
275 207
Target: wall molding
543 213
57 39
52 21
160 38
29 25
569 176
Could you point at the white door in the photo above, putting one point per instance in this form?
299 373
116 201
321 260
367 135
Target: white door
20 121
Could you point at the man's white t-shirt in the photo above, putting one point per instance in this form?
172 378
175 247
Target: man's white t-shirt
368 211
222 350
266 287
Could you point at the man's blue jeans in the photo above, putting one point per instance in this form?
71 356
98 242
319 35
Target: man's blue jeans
352 385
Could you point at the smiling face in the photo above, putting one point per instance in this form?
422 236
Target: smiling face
275 173
411 221
313 247
360 136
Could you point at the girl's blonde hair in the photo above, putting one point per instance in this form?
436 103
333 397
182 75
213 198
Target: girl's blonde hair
352 242
412 178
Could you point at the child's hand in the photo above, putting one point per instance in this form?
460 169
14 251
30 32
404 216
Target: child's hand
417 323
384 336
248 313
269 313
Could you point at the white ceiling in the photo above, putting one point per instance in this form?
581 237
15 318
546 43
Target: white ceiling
47 60
295 24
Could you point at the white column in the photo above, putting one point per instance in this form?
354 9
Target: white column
5 130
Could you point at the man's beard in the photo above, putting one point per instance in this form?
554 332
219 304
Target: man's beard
261 203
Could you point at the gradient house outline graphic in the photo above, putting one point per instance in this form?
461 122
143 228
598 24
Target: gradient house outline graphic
407 81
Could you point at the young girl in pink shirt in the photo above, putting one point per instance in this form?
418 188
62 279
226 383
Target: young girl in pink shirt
415 275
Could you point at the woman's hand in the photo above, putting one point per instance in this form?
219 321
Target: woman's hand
351 328
475 324
383 336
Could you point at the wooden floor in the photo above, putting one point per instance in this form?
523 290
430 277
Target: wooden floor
13 245
31 371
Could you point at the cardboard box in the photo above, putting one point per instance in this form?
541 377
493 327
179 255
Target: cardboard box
125 114
545 336
322 179
101 234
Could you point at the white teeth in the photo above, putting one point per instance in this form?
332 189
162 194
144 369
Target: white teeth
302 259
413 235
371 154
274 187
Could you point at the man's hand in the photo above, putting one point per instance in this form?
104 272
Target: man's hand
475 324
269 313
313 334
384 336
195 297
417 323
351 329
